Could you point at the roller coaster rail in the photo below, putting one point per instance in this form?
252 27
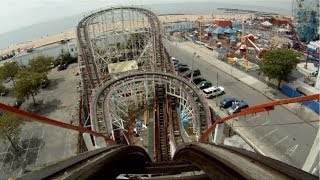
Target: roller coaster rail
102 91
106 100
202 115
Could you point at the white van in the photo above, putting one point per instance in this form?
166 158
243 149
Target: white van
213 91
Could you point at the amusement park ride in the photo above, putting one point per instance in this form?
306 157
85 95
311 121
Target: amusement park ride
107 106
246 42
304 28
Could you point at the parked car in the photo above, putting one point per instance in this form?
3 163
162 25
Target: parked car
197 80
237 107
60 67
4 92
180 65
195 73
44 84
227 102
175 61
213 91
63 65
314 74
52 65
204 85
7 80
57 62
17 104
182 69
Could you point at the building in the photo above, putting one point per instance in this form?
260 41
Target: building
222 23
54 50
314 54
177 26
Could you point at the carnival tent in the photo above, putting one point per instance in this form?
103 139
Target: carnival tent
266 23
209 29
229 31
218 30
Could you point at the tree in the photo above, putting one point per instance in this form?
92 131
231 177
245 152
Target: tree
66 57
40 64
9 70
28 84
10 127
278 63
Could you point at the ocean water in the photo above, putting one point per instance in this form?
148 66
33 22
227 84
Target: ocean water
68 23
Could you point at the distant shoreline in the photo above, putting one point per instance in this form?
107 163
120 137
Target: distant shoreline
235 10
71 34
172 14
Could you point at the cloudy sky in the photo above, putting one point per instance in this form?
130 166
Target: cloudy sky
19 13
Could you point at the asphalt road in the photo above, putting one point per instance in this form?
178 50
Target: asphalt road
39 143
270 132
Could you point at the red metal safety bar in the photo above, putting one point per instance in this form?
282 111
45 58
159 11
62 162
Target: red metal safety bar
29 116
259 108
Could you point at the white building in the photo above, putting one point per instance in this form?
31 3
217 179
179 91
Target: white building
54 50
315 45
177 26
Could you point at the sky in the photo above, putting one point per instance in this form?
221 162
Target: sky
19 13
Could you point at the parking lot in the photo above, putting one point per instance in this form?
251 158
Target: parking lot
40 144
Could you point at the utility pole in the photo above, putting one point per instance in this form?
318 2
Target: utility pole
192 66
200 31
217 79
243 29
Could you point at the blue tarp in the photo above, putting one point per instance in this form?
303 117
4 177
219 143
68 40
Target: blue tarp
218 30
186 29
237 28
289 91
209 29
229 31
233 38
314 105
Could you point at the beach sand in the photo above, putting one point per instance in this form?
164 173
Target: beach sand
72 34
40 42
205 17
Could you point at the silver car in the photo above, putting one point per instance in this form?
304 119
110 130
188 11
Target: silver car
237 107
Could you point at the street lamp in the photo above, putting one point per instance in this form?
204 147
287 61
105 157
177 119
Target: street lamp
192 66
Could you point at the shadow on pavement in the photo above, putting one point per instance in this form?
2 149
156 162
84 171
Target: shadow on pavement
43 108
53 83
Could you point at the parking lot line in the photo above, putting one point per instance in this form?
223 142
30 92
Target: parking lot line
12 163
19 143
268 134
33 148
259 126
280 141
44 101
28 145
253 117
4 156
39 147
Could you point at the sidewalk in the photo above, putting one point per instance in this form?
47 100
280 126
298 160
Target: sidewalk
273 94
